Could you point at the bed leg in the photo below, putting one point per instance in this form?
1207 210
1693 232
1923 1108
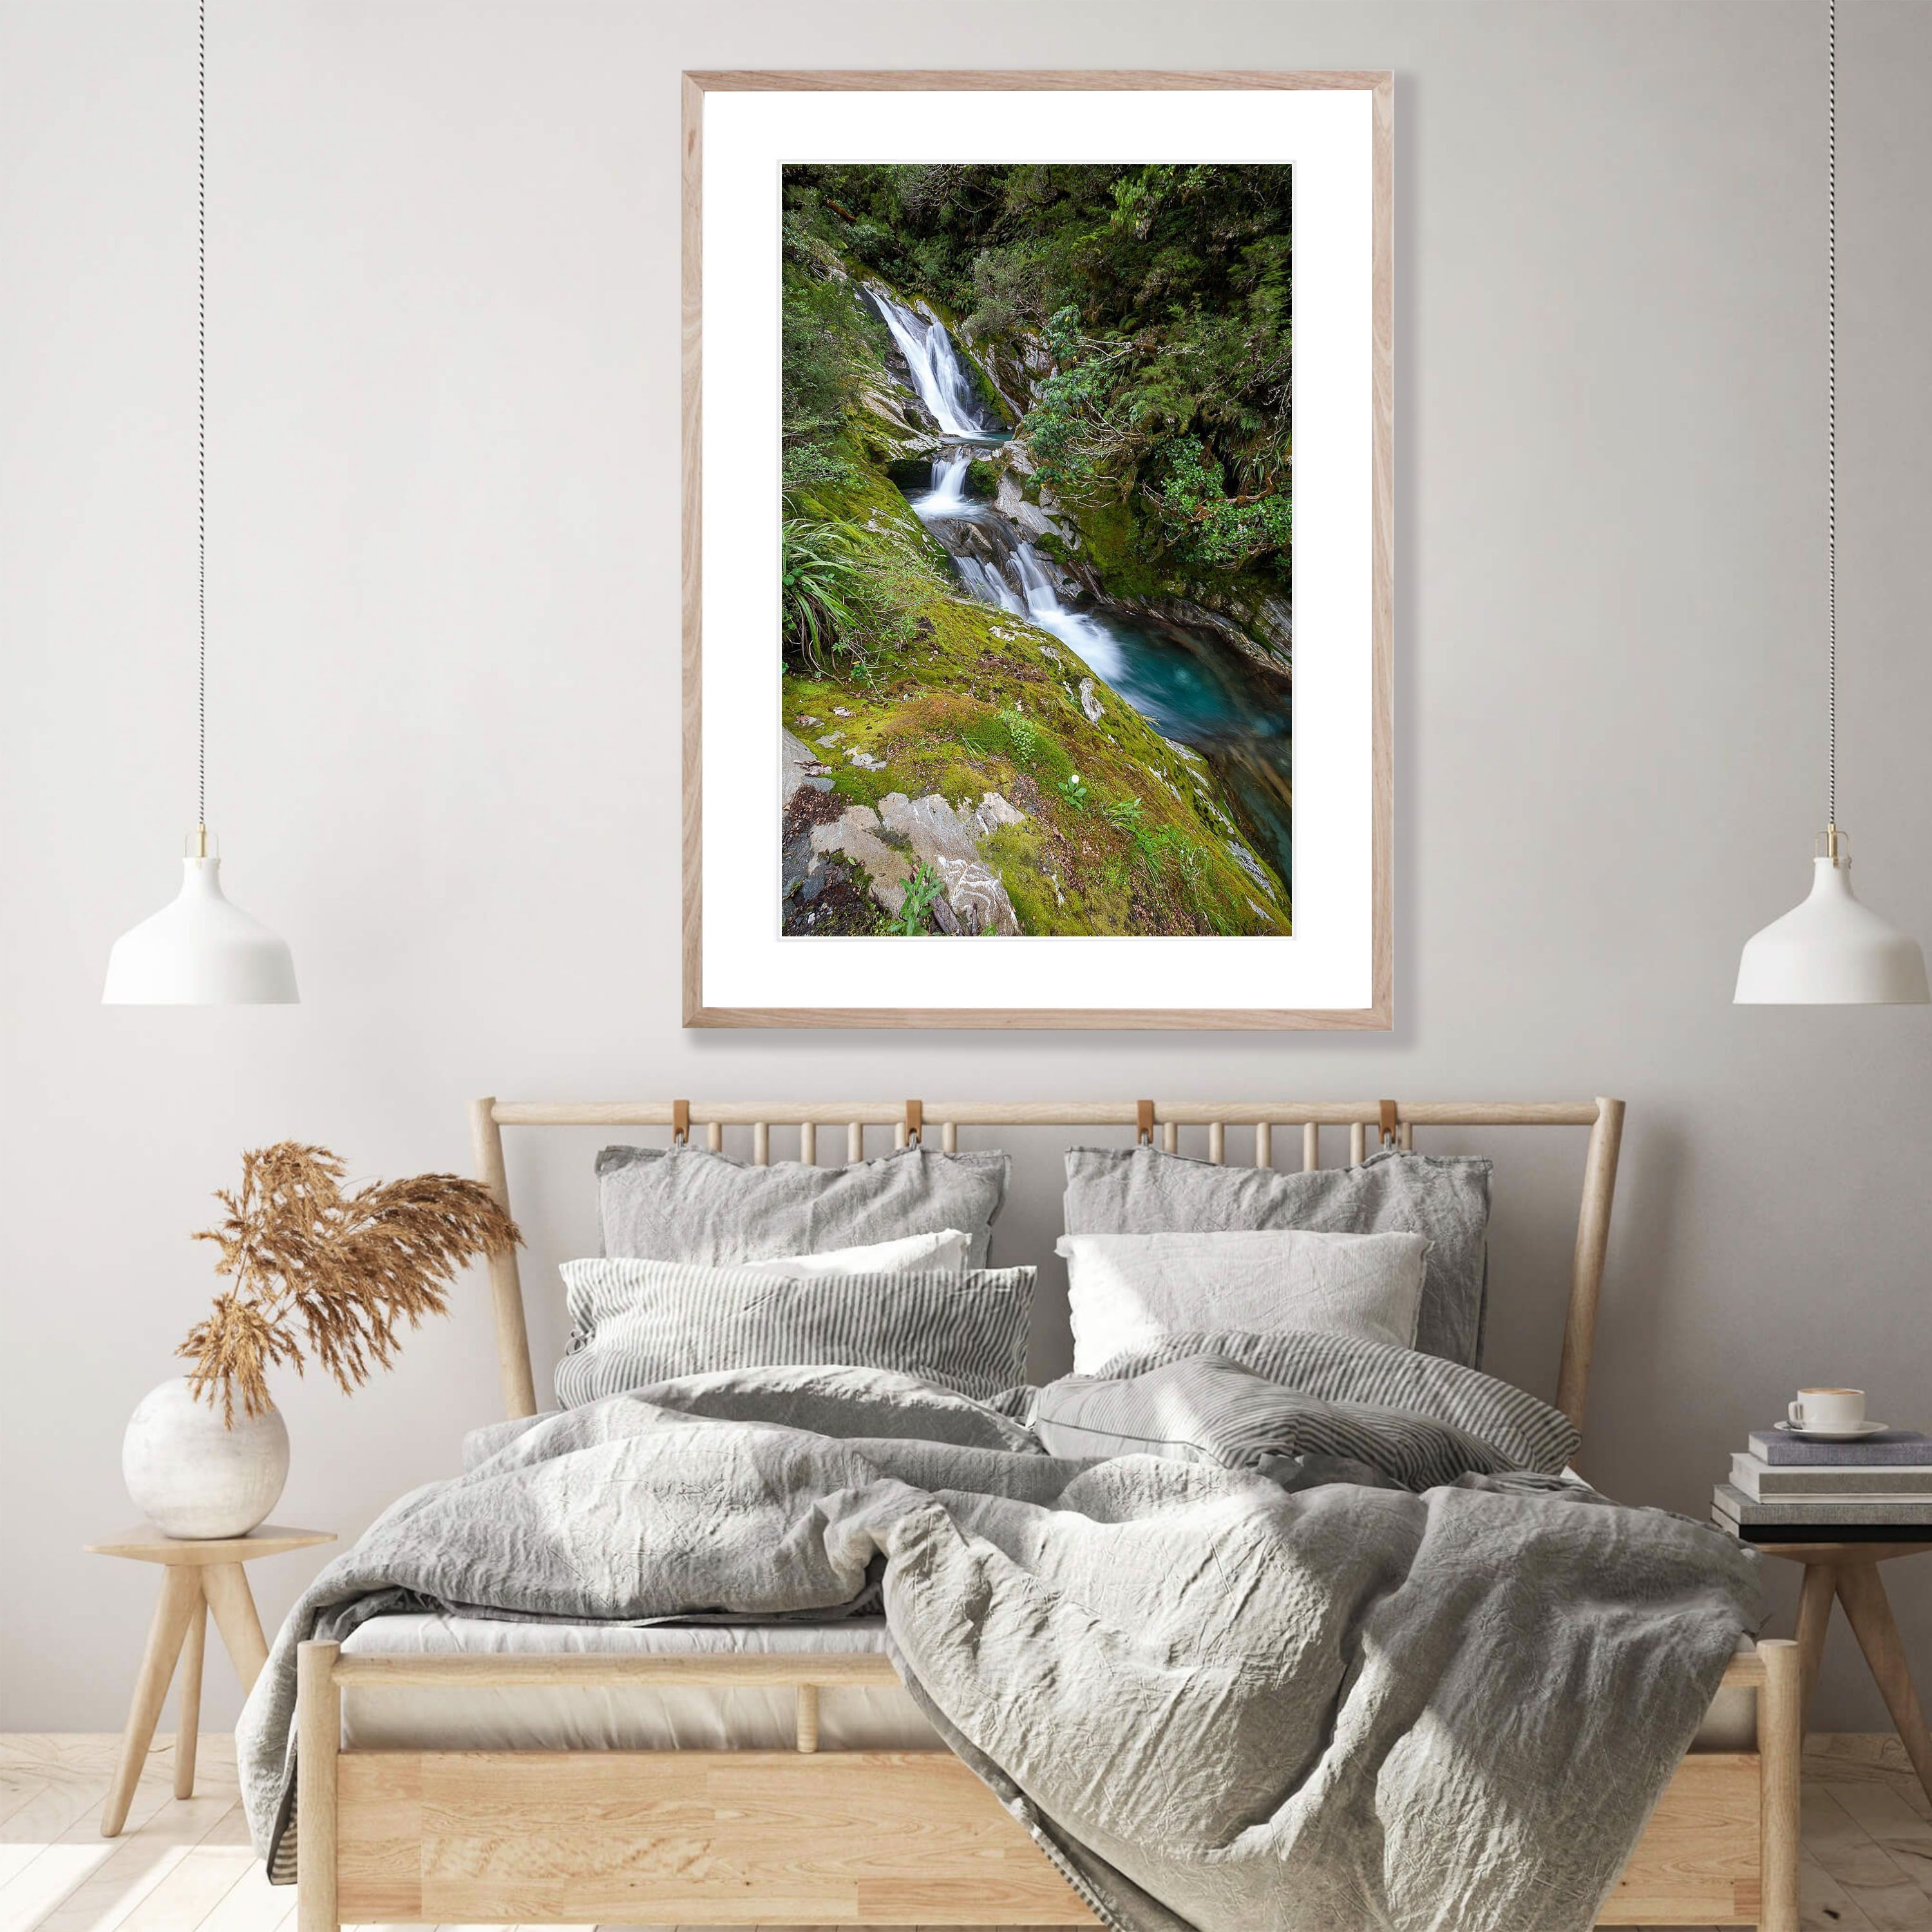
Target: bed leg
1780 1747
318 1737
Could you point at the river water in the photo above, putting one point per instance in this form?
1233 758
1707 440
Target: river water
1191 685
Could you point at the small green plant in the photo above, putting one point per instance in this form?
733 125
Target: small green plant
923 889
1211 526
1123 814
1073 788
818 586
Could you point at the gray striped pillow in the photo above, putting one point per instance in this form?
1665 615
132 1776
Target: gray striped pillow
636 1322
1206 1408
1525 1432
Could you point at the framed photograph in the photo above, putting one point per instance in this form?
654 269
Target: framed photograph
1038 583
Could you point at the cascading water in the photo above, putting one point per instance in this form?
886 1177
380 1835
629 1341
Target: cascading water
936 374
947 497
1193 690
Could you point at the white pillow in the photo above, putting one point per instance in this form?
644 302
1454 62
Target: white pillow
943 1252
1128 1290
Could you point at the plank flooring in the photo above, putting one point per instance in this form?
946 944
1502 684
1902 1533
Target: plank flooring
184 1865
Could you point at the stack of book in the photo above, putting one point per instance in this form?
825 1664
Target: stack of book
1785 1488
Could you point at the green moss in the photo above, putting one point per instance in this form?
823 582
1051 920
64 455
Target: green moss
992 403
1119 547
1014 853
982 478
857 786
956 779
971 699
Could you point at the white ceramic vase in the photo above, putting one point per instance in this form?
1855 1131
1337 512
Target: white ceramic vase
192 1476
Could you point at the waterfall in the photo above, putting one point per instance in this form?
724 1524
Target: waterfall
936 374
947 497
990 587
997 568
1093 641
1193 690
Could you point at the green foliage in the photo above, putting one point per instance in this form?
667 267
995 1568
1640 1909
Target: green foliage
921 889
1212 526
807 465
1013 735
847 592
1164 295
821 589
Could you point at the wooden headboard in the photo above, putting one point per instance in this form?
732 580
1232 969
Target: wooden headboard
1394 1123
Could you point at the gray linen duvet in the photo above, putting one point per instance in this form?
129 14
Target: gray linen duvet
1217 1698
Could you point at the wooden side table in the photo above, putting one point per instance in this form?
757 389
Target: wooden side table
198 1577
1846 1572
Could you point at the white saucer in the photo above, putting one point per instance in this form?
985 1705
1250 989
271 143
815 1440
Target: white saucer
1854 1434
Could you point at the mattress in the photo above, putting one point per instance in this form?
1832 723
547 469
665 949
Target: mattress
631 1716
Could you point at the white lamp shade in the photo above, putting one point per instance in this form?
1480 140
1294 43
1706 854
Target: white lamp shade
200 951
1830 951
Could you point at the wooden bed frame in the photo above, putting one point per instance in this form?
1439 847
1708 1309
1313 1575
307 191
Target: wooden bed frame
749 1837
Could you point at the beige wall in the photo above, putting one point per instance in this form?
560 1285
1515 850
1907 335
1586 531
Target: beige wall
442 599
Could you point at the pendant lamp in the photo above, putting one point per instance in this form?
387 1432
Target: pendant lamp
1830 950
200 950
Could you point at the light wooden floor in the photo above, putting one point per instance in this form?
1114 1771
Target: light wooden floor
184 1866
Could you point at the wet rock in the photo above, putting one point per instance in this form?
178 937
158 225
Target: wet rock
1250 865
904 833
1090 701
1012 505
807 879
992 813
800 767
972 889
854 835
903 414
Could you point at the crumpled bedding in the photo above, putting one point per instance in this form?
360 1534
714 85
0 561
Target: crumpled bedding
1217 1698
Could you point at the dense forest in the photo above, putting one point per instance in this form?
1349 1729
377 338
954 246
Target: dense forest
1037 523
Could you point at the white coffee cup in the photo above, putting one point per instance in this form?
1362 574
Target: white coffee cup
1830 1411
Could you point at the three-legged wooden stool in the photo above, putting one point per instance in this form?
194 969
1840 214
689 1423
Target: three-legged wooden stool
1846 1572
198 1577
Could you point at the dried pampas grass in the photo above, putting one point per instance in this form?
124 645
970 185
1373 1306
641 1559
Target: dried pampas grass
336 1272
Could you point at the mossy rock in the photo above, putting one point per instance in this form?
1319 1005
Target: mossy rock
975 699
991 401
1118 546
982 478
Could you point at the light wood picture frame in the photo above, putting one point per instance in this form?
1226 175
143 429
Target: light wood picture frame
1336 969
